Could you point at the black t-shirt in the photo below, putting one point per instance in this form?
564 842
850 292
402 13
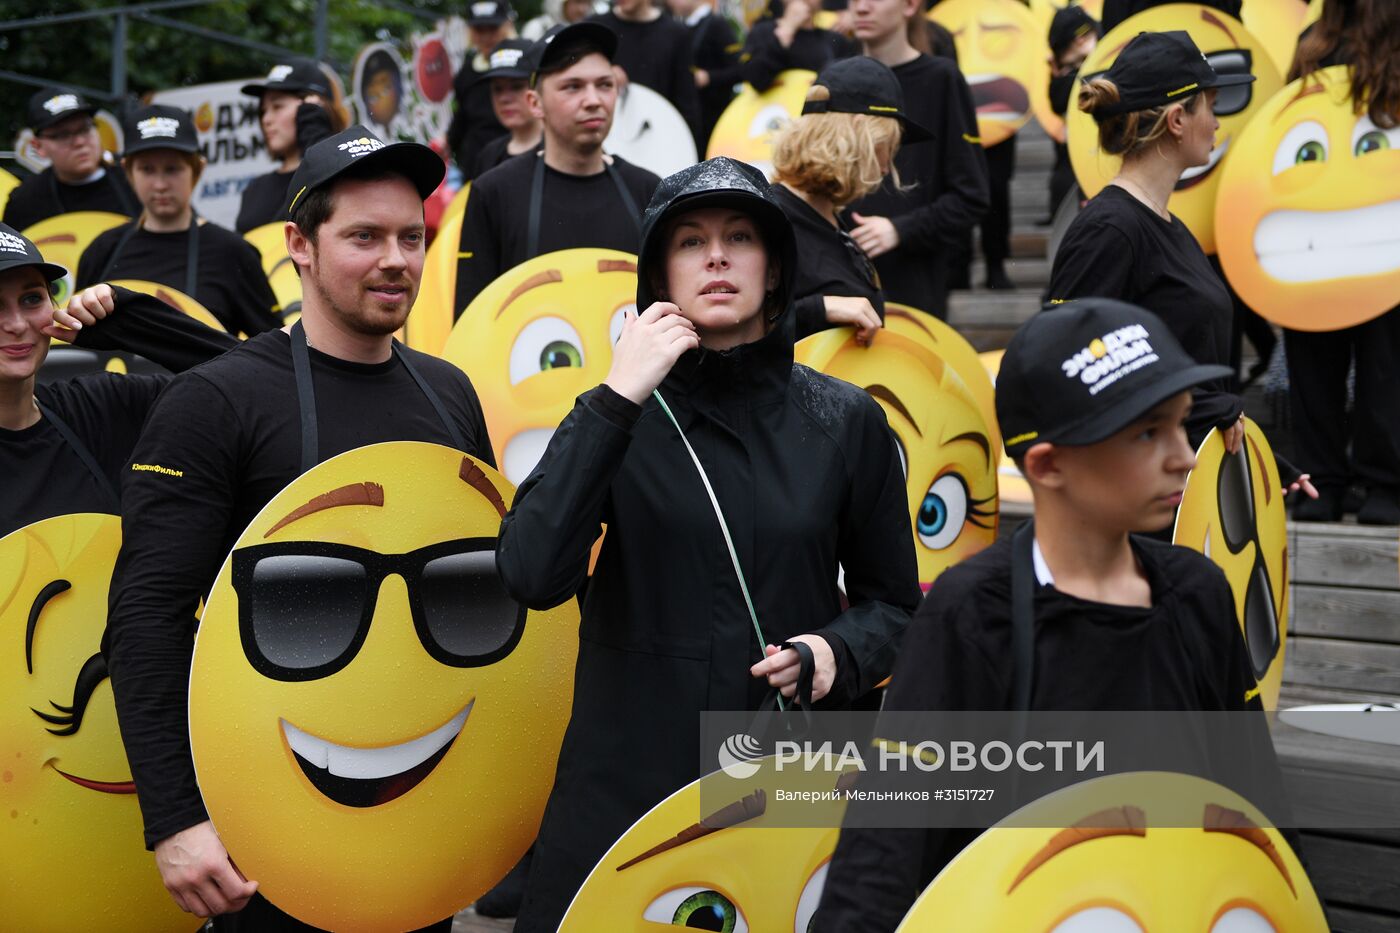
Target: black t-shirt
947 183
474 122
1115 11
227 438
575 211
497 151
263 200
1185 652
658 54
764 56
716 51
830 265
42 196
230 282
1120 248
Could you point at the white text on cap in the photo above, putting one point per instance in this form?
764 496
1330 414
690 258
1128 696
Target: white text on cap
279 72
151 127
12 244
60 103
362 146
506 58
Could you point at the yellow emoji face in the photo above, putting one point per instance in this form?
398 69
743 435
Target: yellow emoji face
69 821
1011 485
1277 24
375 723
742 868
8 183
1144 852
270 242
1001 51
947 446
63 238
1044 12
431 319
536 338
751 122
1309 207
1232 512
1230 49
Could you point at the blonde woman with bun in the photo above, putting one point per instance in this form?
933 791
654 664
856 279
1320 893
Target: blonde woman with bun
837 152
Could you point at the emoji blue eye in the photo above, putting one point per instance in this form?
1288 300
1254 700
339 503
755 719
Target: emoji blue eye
942 513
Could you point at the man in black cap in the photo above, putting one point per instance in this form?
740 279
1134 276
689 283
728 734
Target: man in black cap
77 178
231 434
474 123
1092 398
572 194
509 79
292 102
655 50
169 243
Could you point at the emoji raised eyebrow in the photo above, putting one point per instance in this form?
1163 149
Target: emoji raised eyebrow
1115 821
906 316
1263 473
740 811
1218 819
1209 17
547 277
354 494
884 394
1307 90
978 438
47 593
616 265
475 477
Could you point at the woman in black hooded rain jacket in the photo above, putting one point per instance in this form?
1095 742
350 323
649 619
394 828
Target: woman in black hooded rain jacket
806 472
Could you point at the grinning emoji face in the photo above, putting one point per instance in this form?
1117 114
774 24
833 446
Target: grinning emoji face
744 871
537 337
1309 209
63 238
751 122
1001 52
69 822
1232 512
271 243
374 722
947 446
1143 852
1230 49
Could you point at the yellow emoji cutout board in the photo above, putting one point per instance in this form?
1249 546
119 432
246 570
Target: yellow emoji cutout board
1141 852
430 321
1011 485
61 239
8 183
1277 24
70 826
1232 512
374 722
536 338
1044 12
948 445
271 243
1002 53
741 868
173 297
1230 49
1309 208
747 127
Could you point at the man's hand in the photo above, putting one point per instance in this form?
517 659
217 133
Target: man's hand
86 307
781 667
198 873
875 235
795 16
702 78
851 311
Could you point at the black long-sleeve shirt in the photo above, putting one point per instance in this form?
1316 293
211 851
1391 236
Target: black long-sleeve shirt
658 55
765 57
221 441
42 196
1115 11
829 266
949 190
716 51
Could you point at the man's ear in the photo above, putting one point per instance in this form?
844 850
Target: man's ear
1041 465
299 245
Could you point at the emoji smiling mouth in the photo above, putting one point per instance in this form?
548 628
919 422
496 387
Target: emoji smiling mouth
102 787
368 777
1315 246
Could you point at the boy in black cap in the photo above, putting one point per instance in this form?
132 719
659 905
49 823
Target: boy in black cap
508 77
292 108
474 123
76 179
1092 399
1073 35
571 195
230 435
169 243
655 50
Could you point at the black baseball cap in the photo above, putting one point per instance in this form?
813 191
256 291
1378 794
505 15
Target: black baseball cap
358 145
1080 371
863 85
510 59
18 251
158 126
1068 24
553 47
293 76
53 104
489 13
1158 68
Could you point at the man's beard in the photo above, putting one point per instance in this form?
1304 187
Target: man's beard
356 318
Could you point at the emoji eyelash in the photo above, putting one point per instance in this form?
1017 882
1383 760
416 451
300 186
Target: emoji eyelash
70 718
974 513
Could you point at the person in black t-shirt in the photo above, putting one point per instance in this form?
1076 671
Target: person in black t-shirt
228 436
76 179
791 40
474 123
840 149
1116 622
1116 11
910 230
169 243
570 195
509 79
655 50
293 108
1073 35
715 54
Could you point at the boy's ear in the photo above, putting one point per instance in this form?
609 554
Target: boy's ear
1041 466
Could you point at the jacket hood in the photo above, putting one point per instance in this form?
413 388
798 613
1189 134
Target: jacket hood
719 182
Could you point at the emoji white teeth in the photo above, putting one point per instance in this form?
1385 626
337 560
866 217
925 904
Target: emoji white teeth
372 763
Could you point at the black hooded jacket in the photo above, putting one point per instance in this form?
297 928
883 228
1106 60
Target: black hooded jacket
807 475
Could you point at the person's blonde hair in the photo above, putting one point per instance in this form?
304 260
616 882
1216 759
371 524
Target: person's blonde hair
835 155
1127 134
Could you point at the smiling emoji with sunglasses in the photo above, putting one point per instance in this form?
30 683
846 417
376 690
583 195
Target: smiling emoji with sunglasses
375 723
1232 512
70 826
1230 50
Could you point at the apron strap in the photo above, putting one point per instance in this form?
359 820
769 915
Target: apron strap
104 482
191 254
532 228
433 399
1023 615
